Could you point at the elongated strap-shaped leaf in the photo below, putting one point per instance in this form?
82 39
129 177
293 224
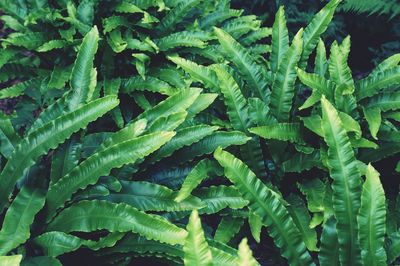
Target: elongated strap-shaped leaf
283 89
339 71
255 36
234 100
228 228
208 145
245 63
218 16
100 164
167 123
255 225
329 250
7 55
321 63
48 137
317 83
220 197
19 88
56 243
53 111
176 15
301 162
372 220
147 196
13 260
388 63
316 27
245 255
184 137
130 131
282 131
183 39
302 219
88 216
199 173
81 72
392 247
265 203
242 25
65 158
19 216
372 85
175 103
346 183
374 119
198 72
280 39
9 139
153 84
141 245
314 190
196 247
384 101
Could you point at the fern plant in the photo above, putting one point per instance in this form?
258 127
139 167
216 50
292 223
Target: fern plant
182 132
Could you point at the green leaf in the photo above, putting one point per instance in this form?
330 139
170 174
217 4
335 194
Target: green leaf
56 243
374 119
280 39
147 196
198 72
82 69
316 27
88 216
220 197
196 247
245 63
208 145
339 71
9 139
317 83
255 224
200 172
100 164
183 39
175 103
64 159
372 85
372 220
321 63
235 102
245 255
302 219
227 229
314 190
265 203
282 131
384 101
283 89
19 216
153 84
19 88
184 137
13 260
176 15
47 137
388 63
329 250
346 183
392 247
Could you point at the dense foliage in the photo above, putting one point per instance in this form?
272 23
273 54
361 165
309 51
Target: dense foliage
188 132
